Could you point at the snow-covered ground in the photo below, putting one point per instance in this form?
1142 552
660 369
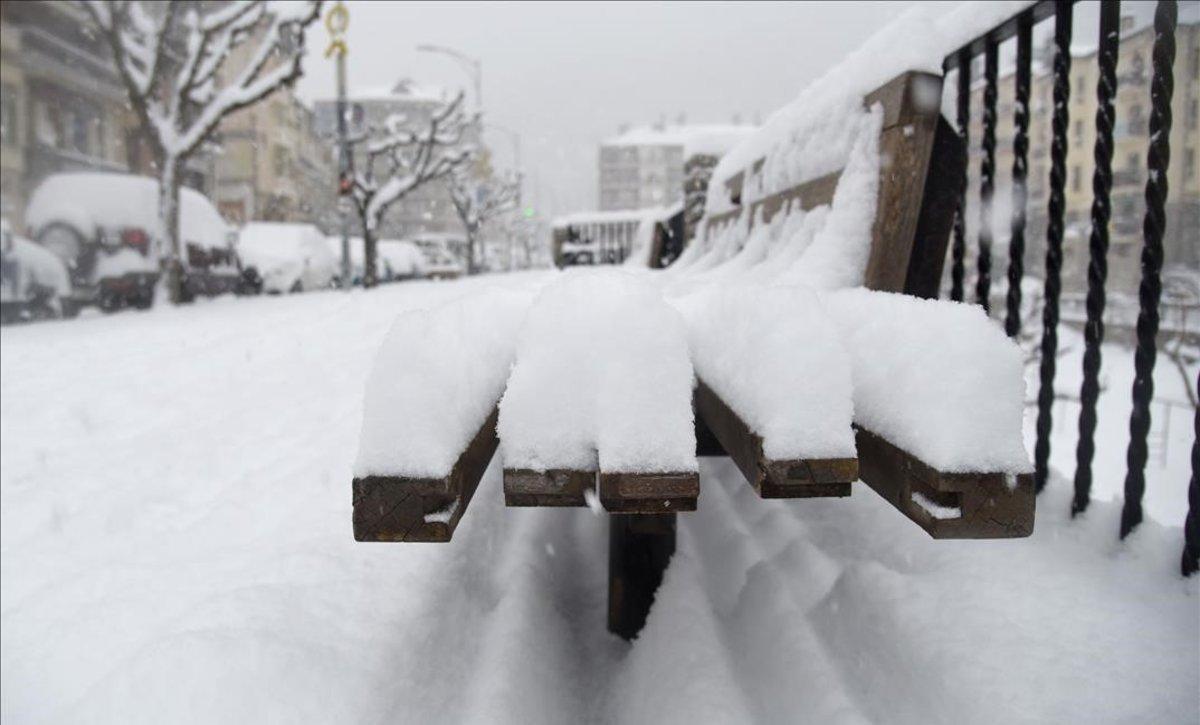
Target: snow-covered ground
175 546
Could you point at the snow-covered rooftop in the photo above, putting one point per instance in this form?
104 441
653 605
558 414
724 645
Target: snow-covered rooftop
404 89
611 216
713 138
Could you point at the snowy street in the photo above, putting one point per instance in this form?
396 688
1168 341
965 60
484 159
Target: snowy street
175 546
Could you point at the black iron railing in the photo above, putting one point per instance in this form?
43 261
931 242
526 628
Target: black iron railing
1161 89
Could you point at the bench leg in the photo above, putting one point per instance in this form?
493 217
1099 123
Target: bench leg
639 549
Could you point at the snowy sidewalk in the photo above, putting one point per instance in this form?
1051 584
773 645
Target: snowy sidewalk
175 538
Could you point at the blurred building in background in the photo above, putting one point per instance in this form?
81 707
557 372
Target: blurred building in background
644 166
428 209
274 167
63 104
64 107
1130 145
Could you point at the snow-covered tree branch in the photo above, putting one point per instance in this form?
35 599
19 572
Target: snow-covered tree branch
186 66
401 157
478 198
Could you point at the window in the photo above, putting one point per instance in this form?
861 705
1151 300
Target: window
1193 114
1078 132
280 161
1189 163
8 115
1077 178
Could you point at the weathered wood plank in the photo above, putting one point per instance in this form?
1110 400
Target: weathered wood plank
771 479
639 549
649 493
943 183
395 508
990 505
911 111
558 487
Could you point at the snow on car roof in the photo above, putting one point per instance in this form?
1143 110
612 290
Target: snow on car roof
87 200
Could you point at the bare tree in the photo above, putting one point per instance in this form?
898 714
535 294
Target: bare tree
479 198
1181 344
399 160
173 59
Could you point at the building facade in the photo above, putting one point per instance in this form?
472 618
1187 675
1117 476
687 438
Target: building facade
274 167
63 104
1130 145
644 167
428 209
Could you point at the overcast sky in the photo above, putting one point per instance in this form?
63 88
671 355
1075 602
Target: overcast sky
565 75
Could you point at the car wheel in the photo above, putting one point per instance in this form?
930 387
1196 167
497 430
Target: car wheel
144 298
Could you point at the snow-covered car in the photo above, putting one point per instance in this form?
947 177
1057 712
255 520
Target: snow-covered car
103 226
397 259
34 282
288 257
445 255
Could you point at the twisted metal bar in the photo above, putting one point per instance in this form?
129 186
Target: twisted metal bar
1020 169
1162 87
1054 237
1191 525
987 176
959 247
1093 331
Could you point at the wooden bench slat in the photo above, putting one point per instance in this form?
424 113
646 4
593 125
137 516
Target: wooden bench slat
649 493
992 505
396 508
556 487
625 493
771 479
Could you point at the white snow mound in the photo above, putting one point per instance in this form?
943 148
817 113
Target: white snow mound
936 378
435 380
602 377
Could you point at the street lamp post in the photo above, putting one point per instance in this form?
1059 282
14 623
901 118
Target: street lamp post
473 66
337 21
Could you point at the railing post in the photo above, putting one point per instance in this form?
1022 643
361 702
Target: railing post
987 175
1054 236
959 247
1191 525
1158 158
1016 247
1093 331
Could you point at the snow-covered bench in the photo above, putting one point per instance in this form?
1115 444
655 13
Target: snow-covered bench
590 391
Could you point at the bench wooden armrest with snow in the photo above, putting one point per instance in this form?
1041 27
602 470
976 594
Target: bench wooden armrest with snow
947 505
399 508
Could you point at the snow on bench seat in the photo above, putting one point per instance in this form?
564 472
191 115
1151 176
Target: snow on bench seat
429 416
774 389
601 388
938 405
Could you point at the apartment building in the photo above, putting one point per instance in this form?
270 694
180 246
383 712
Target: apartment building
63 104
1130 144
644 166
274 167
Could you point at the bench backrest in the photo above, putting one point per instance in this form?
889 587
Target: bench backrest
920 178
